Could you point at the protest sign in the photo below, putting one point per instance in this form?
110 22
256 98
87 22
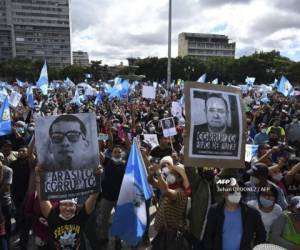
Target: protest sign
102 137
148 92
152 139
67 149
176 109
168 127
214 126
251 151
14 99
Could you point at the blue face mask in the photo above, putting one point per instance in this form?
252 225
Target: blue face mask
20 130
265 202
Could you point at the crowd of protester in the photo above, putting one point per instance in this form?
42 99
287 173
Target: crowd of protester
190 212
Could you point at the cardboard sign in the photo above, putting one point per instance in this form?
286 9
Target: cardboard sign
148 92
67 149
168 127
214 125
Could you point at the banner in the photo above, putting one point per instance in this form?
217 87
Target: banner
214 124
67 149
148 92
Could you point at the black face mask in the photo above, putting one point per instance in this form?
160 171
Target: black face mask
273 142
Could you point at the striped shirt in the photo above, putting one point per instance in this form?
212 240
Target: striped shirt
171 212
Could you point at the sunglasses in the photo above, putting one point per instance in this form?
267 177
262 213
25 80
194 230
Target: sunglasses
72 136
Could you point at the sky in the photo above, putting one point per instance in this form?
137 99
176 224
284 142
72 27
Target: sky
113 30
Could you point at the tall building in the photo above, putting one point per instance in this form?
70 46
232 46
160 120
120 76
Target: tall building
81 58
205 45
37 30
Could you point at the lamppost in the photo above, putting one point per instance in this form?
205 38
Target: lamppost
169 45
188 70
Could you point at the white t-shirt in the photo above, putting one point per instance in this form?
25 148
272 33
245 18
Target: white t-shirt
267 218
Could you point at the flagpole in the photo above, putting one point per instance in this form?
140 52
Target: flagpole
169 45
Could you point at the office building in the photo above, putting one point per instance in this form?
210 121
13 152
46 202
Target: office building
205 46
81 58
37 30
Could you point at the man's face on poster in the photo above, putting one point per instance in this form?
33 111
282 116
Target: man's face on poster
68 143
216 113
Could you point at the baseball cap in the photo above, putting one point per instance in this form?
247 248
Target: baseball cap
258 169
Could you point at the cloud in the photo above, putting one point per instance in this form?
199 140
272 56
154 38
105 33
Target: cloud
112 30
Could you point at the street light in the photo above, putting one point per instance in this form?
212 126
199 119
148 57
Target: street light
169 45
188 70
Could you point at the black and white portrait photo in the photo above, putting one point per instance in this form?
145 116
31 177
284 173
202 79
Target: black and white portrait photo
168 127
67 148
215 121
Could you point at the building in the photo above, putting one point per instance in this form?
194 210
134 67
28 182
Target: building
205 45
81 58
37 30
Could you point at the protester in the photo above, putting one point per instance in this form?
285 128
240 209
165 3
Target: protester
232 224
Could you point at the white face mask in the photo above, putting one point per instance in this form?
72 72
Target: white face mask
64 218
254 180
277 177
171 179
264 130
235 197
116 160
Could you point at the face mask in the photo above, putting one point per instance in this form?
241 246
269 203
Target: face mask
30 129
263 130
20 130
277 177
265 202
235 197
64 218
151 129
254 180
116 160
155 118
171 179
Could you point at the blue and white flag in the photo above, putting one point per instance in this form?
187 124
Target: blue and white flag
20 83
265 99
3 94
130 219
5 122
30 97
77 98
285 87
42 83
202 78
251 150
98 99
68 83
125 88
250 81
215 81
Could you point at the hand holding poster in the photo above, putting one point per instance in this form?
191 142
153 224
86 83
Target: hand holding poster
176 110
152 139
14 99
148 92
67 149
214 125
251 151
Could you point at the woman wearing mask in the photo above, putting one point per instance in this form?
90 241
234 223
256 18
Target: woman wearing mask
285 231
174 186
266 206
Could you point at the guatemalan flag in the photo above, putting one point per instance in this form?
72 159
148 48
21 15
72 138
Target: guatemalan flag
5 122
130 219
42 83
285 87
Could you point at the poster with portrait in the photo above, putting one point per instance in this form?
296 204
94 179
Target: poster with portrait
168 127
214 125
67 149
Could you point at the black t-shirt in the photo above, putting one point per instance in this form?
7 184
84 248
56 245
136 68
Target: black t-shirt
66 234
160 153
112 181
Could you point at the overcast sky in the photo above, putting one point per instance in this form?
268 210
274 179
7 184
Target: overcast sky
112 30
